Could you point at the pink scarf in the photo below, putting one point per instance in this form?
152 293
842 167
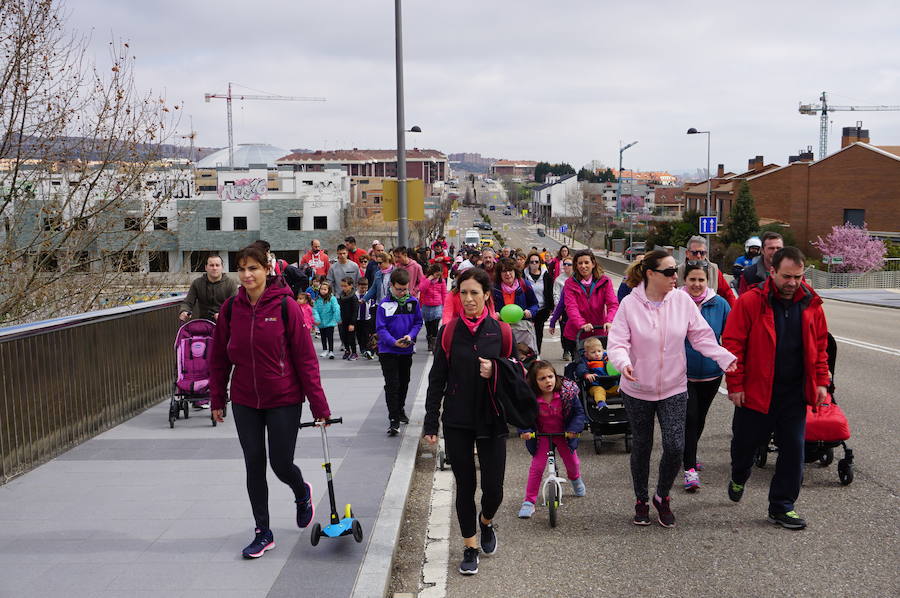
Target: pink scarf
510 289
587 281
700 299
473 325
386 270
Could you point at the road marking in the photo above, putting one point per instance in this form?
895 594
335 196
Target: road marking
870 346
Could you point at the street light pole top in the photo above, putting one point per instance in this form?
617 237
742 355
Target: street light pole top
622 149
693 131
415 129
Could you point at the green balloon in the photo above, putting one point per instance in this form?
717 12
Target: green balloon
511 313
611 369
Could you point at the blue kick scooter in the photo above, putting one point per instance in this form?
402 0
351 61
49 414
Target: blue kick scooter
337 527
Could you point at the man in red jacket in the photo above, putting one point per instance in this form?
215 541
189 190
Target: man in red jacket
316 259
779 335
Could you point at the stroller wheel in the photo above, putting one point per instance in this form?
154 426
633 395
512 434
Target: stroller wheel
762 455
186 408
171 421
826 457
845 472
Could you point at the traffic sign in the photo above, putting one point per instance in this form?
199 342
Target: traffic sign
832 259
564 228
708 225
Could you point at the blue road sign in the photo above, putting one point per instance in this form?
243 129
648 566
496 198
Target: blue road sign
564 228
708 225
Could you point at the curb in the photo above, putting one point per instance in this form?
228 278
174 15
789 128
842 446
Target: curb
857 302
374 574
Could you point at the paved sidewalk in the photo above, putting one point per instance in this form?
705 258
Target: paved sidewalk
144 510
878 297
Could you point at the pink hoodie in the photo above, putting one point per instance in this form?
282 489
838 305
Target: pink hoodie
432 293
651 340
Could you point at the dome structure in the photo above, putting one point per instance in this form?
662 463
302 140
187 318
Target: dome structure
245 154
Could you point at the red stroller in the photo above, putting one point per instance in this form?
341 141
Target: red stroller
193 352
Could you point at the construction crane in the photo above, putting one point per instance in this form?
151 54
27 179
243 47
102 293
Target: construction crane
192 135
228 97
824 108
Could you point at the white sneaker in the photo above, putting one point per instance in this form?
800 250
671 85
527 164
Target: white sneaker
323 354
331 355
691 480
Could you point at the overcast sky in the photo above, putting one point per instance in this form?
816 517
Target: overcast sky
563 80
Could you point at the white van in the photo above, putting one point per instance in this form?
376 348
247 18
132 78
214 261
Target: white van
472 237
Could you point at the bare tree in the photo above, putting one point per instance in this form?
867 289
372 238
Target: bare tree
77 152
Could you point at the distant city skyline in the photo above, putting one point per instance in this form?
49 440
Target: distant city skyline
477 80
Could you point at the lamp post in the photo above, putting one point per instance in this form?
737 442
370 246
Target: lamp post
402 218
619 188
693 131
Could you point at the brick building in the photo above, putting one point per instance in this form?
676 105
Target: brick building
514 168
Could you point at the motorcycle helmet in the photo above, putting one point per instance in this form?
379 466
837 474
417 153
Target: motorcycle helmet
752 242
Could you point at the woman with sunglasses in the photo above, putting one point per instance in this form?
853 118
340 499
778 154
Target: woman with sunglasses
646 344
542 282
697 253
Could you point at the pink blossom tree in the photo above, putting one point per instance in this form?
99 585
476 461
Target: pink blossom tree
860 251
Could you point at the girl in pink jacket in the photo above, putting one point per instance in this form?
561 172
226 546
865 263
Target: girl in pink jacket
646 344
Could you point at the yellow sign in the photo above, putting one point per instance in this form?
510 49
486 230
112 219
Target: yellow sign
452 232
415 200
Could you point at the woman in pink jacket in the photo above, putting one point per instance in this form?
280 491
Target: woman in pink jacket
589 297
646 344
432 295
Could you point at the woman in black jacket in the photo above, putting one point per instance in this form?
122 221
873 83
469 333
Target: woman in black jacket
471 416
541 280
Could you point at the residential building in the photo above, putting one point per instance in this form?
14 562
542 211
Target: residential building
559 196
658 177
513 168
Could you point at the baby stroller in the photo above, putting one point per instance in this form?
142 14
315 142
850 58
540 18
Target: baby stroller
611 420
193 352
826 429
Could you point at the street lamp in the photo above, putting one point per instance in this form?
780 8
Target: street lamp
402 211
693 131
619 188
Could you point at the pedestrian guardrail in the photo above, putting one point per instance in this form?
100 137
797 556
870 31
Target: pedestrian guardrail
64 381
877 279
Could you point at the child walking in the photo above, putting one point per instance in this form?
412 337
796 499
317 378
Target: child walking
432 294
327 315
305 303
559 410
365 320
398 321
349 305
593 369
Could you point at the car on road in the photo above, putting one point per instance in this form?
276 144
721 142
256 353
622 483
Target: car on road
493 207
635 249
541 233
487 242
483 225
507 212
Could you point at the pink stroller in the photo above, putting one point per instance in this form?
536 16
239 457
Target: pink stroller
193 352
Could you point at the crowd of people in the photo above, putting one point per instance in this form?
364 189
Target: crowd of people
672 330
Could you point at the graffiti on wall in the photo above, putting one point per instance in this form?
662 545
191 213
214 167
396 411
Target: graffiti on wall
243 190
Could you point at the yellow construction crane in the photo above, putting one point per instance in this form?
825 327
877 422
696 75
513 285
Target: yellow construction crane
228 97
824 108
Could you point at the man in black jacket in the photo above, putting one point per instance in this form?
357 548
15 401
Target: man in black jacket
208 292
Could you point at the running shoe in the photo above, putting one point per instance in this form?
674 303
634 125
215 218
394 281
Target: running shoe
691 480
469 564
323 354
306 510
789 520
578 487
394 428
735 491
263 541
641 513
665 516
346 356
331 355
353 357
404 419
488 537
527 510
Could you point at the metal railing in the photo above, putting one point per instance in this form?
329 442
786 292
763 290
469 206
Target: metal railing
64 381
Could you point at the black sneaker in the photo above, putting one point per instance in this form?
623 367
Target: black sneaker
488 537
394 428
789 520
306 510
263 541
665 516
735 491
469 564
404 419
641 513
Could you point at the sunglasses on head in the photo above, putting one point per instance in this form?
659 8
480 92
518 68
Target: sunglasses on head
667 272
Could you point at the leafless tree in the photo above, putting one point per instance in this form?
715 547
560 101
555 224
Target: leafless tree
78 144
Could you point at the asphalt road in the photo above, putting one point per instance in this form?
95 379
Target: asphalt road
720 548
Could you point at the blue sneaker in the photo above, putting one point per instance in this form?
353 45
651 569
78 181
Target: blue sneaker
306 510
263 541
527 510
578 487
602 405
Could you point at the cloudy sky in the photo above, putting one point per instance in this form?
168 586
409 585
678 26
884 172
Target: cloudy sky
563 80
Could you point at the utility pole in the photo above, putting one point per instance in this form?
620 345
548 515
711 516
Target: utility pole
619 189
402 217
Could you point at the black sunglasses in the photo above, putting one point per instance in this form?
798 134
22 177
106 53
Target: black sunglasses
567 263
667 272
697 252
535 262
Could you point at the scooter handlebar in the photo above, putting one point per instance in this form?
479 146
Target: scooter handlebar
334 420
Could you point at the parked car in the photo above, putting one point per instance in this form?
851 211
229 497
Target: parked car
635 249
541 233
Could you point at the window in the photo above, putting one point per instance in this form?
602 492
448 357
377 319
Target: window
159 261
291 256
121 261
208 188
307 182
320 222
232 261
295 223
365 195
160 223
198 260
47 262
132 224
240 223
81 261
855 217
214 223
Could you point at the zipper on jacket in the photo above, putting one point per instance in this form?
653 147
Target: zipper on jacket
253 355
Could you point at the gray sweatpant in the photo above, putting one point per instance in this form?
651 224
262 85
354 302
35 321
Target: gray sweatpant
672 413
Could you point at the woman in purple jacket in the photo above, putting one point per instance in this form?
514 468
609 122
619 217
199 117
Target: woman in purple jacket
274 369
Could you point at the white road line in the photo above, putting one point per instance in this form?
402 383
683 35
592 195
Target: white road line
870 346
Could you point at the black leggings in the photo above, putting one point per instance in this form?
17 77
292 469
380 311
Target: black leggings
281 424
348 338
459 446
671 415
432 327
362 334
327 335
700 397
539 321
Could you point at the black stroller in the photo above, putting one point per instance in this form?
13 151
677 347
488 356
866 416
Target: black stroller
609 421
